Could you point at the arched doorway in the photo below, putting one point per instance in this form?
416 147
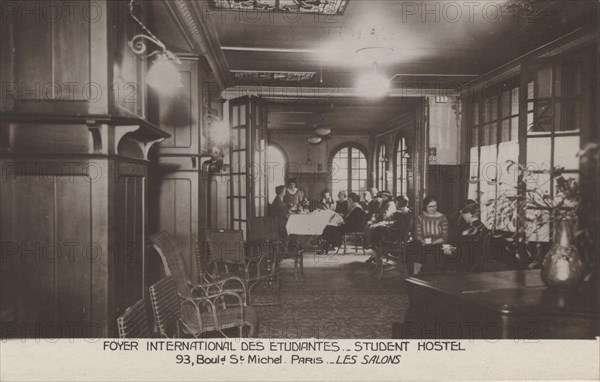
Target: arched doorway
276 169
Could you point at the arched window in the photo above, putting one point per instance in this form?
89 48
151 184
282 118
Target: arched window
381 168
349 170
402 167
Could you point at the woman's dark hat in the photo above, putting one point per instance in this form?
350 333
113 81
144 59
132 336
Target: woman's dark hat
470 206
385 193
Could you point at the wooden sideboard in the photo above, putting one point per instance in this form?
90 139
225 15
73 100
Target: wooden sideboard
496 305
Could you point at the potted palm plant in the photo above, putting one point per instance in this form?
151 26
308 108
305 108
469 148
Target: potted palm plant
564 264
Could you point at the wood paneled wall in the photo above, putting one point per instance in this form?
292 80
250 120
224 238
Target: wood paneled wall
53 65
73 234
178 187
74 141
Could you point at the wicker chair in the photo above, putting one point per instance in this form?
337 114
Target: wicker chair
178 316
133 323
263 230
230 257
174 265
232 287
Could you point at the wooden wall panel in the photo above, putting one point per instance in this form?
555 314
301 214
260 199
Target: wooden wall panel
71 54
179 115
446 183
129 89
34 208
177 206
7 75
219 202
75 251
46 236
129 242
52 53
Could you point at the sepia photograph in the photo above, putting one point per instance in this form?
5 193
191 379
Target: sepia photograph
357 184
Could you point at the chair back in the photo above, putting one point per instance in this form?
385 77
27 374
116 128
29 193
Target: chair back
172 260
225 245
134 323
404 224
165 306
359 227
262 229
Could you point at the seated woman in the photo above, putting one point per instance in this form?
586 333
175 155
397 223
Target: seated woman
400 221
374 205
476 249
471 233
342 206
366 199
431 231
385 213
333 235
279 210
303 202
326 202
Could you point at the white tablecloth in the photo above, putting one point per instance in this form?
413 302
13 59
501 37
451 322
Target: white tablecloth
312 223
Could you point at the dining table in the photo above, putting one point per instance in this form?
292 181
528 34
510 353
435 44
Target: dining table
307 226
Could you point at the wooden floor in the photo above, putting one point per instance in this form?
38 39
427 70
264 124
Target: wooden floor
341 298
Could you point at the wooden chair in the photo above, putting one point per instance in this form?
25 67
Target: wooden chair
358 238
178 316
232 286
264 230
253 263
353 237
134 323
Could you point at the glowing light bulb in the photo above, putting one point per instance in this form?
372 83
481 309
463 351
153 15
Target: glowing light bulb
372 85
164 76
219 132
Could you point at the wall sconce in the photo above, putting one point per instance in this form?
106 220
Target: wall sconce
163 74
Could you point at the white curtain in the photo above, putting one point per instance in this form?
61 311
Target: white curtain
473 174
508 152
489 171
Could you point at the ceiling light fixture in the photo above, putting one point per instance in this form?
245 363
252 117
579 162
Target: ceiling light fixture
322 131
163 74
314 140
309 161
372 84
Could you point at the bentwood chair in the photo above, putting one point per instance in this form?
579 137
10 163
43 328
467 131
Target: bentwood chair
134 323
229 256
264 231
178 316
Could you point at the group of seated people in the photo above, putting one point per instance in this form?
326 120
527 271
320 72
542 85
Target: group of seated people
387 221
370 215
389 224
